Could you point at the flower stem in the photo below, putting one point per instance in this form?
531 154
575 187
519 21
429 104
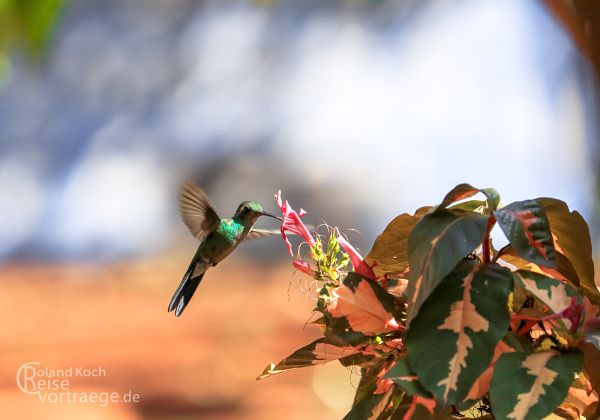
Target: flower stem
486 239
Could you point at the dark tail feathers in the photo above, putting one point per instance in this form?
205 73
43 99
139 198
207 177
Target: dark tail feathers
185 291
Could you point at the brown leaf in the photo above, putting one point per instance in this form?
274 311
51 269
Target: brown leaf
572 238
389 254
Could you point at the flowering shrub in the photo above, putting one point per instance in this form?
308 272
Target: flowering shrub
442 325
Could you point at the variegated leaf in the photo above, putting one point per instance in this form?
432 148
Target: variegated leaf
564 270
555 294
572 238
372 407
389 254
316 353
437 243
406 379
481 386
368 380
526 226
452 340
417 408
529 386
365 305
463 191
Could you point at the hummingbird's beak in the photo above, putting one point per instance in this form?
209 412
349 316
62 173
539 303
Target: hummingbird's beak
264 213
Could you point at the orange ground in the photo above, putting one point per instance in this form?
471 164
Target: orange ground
202 365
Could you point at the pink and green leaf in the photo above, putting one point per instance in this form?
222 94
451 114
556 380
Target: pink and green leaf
527 228
529 386
437 243
417 407
481 386
364 304
558 296
564 270
373 407
316 353
572 238
368 380
406 379
452 340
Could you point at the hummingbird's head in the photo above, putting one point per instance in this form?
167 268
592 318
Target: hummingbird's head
248 211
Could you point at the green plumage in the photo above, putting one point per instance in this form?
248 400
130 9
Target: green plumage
220 243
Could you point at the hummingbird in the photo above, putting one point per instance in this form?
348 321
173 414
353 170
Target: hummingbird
218 237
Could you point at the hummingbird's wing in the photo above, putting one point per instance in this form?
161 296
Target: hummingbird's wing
262 233
198 215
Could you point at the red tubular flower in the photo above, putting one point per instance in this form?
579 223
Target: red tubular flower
292 223
360 266
304 267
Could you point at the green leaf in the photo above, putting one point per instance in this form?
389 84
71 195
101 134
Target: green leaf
316 353
572 238
471 205
517 342
526 226
529 386
359 359
463 191
406 379
389 254
437 243
452 340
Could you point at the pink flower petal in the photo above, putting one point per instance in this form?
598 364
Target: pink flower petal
292 223
358 263
304 267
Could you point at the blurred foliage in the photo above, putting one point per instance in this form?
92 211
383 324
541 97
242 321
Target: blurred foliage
581 19
27 26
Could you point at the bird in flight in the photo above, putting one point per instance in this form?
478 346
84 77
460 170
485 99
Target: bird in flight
218 237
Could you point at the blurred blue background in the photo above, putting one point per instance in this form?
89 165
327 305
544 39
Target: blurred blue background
358 111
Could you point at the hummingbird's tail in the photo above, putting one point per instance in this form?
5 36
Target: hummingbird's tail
186 289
